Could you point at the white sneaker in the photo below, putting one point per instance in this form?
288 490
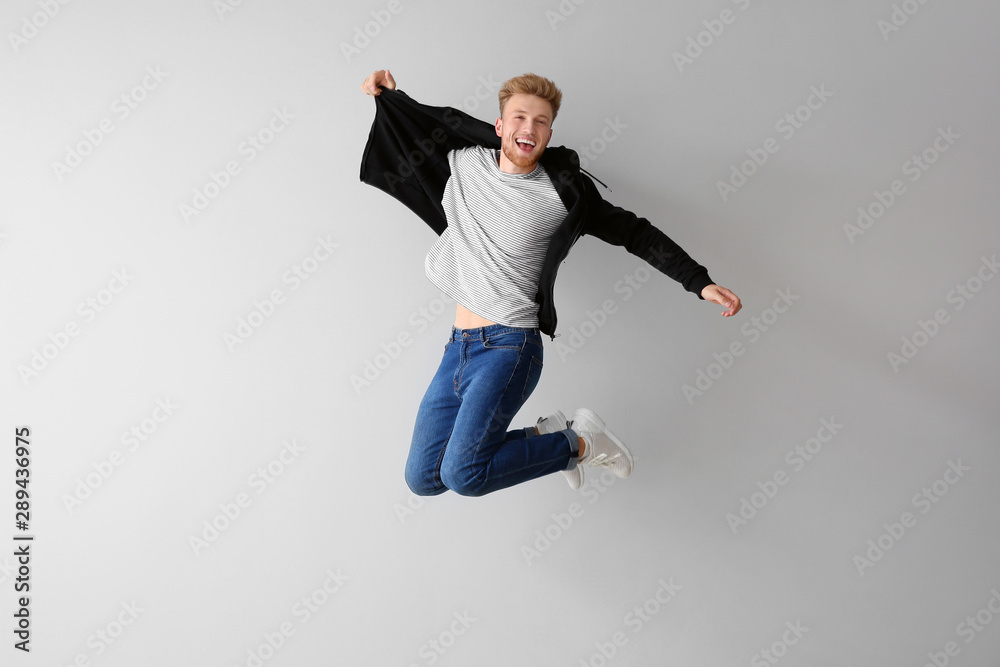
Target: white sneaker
553 424
603 448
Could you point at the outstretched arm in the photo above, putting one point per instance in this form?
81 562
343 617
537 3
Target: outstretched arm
618 226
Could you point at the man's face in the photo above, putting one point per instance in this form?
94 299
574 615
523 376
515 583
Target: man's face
526 119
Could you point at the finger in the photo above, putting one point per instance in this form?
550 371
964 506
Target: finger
736 303
725 299
728 296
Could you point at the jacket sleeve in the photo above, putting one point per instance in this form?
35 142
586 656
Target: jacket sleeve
617 226
407 151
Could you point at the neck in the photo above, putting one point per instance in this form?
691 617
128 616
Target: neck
509 167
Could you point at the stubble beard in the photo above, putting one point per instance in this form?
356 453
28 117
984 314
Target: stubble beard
514 155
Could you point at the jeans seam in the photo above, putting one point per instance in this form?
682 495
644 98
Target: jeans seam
513 471
527 378
437 464
496 408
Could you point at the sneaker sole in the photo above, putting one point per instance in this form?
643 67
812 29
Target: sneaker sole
574 477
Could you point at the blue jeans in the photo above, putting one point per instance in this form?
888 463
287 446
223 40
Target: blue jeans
460 439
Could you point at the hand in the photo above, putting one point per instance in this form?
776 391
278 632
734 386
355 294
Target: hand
723 297
382 77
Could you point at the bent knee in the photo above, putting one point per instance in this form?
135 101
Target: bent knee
422 485
465 483
472 489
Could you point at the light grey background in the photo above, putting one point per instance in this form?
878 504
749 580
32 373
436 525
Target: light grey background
409 568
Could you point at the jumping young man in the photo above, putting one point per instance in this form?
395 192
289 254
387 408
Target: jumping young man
507 209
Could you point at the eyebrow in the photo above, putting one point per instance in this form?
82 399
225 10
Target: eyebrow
541 115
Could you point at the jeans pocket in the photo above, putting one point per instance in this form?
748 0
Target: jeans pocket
534 339
507 340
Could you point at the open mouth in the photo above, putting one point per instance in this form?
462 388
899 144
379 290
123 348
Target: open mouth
524 144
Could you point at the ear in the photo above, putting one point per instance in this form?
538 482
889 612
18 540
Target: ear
499 127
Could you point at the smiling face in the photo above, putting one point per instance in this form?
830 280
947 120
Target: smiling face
525 129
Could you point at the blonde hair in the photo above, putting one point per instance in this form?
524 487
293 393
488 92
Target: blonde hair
531 84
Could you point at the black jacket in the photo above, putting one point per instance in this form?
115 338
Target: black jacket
407 157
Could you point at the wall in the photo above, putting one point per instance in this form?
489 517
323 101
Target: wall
197 279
